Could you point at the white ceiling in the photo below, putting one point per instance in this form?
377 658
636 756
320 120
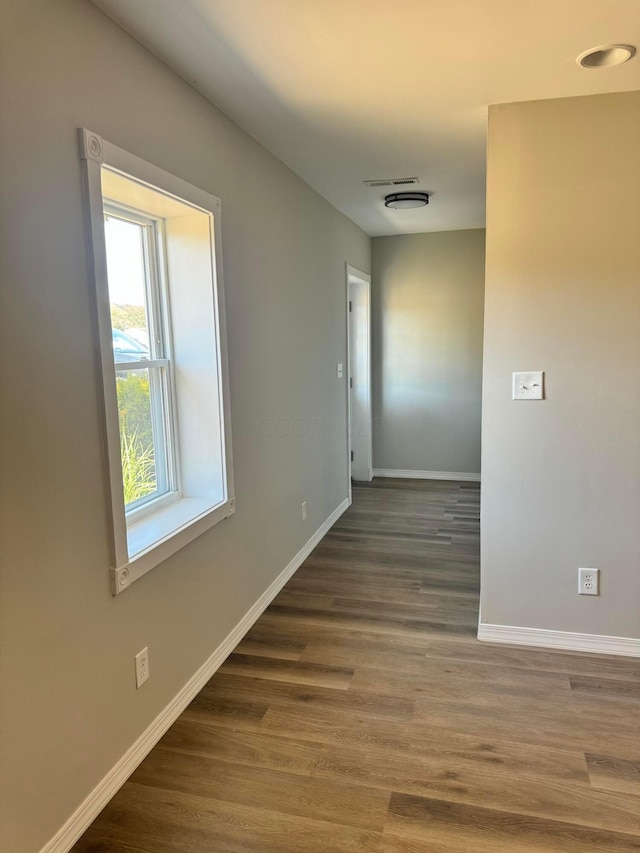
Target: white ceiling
347 90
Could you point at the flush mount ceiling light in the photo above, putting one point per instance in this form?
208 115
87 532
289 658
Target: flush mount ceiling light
405 200
606 56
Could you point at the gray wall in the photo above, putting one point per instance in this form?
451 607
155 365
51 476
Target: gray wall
427 306
69 705
561 478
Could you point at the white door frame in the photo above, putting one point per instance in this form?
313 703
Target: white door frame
357 278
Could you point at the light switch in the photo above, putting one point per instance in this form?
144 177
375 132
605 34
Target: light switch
528 386
340 371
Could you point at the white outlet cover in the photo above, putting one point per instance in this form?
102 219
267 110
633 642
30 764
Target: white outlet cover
528 385
589 581
142 667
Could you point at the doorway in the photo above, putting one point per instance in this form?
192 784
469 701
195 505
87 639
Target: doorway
360 453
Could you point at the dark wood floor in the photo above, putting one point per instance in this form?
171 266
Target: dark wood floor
361 715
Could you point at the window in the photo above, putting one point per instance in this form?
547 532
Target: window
140 328
155 246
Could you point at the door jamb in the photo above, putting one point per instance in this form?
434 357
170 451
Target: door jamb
352 272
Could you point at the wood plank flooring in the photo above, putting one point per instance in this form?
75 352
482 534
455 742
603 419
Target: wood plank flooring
361 715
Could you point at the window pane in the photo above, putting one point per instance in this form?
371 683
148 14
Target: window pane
126 268
137 445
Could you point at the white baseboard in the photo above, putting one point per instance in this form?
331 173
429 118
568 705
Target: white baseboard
80 820
426 475
567 640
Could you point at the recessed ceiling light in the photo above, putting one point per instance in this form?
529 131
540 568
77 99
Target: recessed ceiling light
404 200
606 55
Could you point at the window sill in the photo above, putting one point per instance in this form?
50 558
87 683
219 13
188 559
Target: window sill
153 538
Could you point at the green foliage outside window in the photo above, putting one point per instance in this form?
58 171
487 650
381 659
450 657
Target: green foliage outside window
134 406
125 317
136 436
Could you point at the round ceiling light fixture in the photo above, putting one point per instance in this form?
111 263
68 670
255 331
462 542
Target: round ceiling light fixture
606 56
401 201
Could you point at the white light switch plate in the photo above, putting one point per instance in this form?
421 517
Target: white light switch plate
529 385
340 371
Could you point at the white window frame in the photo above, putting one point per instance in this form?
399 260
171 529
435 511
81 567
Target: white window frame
159 329
159 527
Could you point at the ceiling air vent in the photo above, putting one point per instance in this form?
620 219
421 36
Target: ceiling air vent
392 182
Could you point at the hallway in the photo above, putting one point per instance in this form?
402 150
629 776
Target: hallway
361 715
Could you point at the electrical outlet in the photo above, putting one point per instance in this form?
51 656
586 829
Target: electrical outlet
304 510
589 581
142 667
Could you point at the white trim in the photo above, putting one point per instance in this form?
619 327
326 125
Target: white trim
567 640
348 378
426 475
98 156
356 276
354 272
80 820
